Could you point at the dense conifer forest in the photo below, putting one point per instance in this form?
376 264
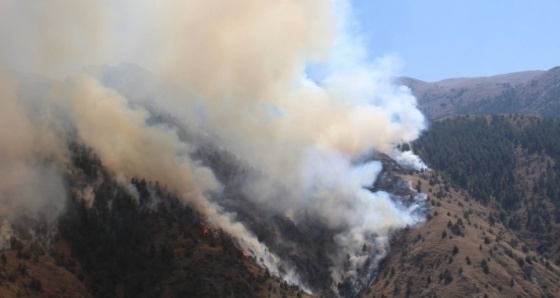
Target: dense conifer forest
134 243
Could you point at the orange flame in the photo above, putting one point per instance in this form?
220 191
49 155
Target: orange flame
245 254
205 230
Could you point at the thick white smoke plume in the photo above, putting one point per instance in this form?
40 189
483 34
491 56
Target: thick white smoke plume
284 86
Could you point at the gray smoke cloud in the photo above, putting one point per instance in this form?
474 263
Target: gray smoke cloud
30 182
237 73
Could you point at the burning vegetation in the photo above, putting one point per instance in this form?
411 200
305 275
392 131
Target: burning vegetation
263 121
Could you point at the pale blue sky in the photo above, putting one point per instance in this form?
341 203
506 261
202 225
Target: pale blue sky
439 39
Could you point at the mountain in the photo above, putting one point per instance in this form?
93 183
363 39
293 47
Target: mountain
529 93
150 244
493 229
134 187
120 245
508 163
140 240
460 252
124 215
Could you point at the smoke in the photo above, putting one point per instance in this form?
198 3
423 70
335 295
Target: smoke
130 147
31 185
54 37
409 160
284 86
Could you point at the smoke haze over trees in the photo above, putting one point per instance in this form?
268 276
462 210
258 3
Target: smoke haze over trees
266 106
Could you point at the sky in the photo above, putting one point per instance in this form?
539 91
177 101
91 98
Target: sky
438 39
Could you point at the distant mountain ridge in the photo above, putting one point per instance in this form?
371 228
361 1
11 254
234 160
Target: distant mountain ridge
534 93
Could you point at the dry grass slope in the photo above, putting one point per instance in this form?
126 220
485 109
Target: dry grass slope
461 251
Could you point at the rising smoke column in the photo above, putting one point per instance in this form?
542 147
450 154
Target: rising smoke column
248 65
59 39
240 74
30 182
34 40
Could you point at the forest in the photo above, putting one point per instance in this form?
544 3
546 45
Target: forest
508 162
141 243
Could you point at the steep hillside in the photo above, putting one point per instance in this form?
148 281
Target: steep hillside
494 227
509 163
132 196
462 250
182 260
135 238
120 245
529 93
